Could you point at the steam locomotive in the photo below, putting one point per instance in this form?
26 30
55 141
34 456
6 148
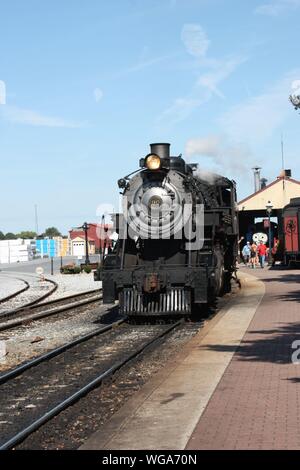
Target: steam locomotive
177 238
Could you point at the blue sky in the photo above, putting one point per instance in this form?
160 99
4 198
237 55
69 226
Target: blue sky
88 85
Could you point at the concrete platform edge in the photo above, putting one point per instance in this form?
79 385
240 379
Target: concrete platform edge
194 361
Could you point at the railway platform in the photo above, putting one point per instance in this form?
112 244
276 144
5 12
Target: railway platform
233 386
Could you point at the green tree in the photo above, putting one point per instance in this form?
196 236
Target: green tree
2 236
52 232
10 236
26 235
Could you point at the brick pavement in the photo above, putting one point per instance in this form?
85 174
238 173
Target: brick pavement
256 404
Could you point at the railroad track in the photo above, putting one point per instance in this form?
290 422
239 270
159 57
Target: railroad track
21 316
16 293
35 392
32 288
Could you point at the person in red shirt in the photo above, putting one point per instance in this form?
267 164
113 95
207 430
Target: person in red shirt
262 251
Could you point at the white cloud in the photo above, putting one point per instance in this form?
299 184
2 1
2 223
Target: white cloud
205 88
27 116
143 64
276 7
181 109
2 92
218 70
258 117
195 40
98 95
222 71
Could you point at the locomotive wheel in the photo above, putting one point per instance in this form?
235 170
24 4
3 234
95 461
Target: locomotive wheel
226 283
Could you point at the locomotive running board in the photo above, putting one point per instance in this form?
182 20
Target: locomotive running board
175 302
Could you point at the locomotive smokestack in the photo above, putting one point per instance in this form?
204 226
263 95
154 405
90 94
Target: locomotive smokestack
162 150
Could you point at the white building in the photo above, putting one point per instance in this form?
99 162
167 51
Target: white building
13 251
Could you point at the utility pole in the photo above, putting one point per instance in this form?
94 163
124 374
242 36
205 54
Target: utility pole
85 228
36 219
269 208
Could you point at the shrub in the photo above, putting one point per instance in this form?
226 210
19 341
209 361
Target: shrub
87 269
70 269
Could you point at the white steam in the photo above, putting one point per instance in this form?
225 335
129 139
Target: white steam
231 160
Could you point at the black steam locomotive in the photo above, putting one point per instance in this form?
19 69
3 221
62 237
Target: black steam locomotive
177 238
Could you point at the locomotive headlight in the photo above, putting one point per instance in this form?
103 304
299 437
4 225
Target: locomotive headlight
153 162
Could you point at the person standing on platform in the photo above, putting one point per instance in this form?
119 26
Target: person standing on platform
275 251
253 255
262 251
240 250
246 252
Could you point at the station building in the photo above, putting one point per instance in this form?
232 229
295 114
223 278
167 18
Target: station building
98 236
253 210
77 246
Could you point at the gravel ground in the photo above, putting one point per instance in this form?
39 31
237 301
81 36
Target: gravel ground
37 390
37 289
73 426
27 341
69 284
9 286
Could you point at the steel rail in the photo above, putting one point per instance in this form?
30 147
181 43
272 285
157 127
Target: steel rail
32 302
20 436
15 294
59 299
47 313
55 352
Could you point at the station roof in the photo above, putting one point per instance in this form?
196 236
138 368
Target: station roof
81 239
279 193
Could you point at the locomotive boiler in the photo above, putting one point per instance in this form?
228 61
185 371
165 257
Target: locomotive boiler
177 238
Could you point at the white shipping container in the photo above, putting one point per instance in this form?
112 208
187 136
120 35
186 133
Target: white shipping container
4 254
18 260
17 248
20 249
17 242
12 251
